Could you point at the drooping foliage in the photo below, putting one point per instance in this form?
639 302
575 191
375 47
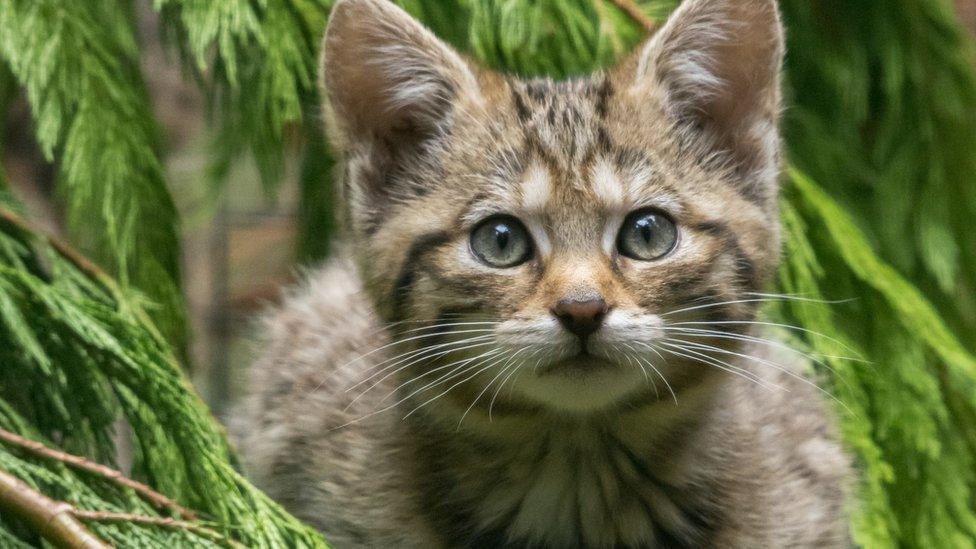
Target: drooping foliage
880 128
79 353
77 63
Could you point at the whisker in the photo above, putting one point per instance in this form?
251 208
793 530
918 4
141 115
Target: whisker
442 379
515 369
657 371
460 363
717 363
416 361
449 324
798 297
452 387
641 366
769 363
413 338
718 304
505 367
398 359
759 298
698 332
772 324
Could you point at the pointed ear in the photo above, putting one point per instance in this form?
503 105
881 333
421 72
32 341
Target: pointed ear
719 63
387 77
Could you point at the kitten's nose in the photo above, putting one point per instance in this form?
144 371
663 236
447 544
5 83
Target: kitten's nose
581 317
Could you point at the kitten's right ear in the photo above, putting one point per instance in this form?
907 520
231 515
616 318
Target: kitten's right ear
387 77
717 64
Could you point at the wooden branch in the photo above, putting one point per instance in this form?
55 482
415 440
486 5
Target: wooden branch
52 520
155 498
161 522
634 12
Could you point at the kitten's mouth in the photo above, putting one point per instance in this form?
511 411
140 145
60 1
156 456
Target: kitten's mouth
582 364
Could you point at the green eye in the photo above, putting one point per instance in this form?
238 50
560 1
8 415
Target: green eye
501 242
647 235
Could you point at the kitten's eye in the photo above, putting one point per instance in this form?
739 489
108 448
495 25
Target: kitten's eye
501 242
647 235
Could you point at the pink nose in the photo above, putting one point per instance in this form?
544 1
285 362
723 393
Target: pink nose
581 317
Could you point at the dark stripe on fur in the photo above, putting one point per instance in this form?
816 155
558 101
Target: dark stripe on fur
745 268
521 109
604 93
408 272
698 514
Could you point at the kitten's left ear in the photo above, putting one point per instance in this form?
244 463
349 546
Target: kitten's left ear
718 63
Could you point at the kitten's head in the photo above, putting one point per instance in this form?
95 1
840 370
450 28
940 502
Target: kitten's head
560 231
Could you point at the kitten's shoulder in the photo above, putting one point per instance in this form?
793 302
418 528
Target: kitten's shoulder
305 437
796 476
321 324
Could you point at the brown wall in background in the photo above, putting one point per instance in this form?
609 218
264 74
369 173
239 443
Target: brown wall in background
967 12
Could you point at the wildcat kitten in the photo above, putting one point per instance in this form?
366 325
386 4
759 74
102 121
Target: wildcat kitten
540 332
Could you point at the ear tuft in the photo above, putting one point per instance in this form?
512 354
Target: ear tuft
384 73
719 63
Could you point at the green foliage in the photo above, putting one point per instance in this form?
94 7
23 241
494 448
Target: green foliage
78 64
881 119
908 411
882 116
79 353
262 58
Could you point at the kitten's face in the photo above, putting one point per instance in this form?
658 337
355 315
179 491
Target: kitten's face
561 234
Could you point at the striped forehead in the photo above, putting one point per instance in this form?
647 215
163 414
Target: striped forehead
600 186
561 121
604 185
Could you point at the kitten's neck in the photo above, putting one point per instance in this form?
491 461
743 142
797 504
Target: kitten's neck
528 476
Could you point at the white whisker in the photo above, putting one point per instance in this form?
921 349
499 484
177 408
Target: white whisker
698 332
764 323
488 386
667 385
421 354
717 363
769 363
452 387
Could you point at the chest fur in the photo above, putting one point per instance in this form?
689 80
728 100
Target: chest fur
579 487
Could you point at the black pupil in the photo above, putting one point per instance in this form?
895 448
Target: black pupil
502 235
645 227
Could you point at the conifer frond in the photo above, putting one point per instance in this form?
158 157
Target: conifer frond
882 116
77 357
909 410
78 65
260 62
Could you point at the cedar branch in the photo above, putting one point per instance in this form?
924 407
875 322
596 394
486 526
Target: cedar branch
161 522
53 520
158 500
82 263
77 259
634 12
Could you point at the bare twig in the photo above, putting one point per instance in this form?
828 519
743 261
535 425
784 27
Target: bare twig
634 12
158 500
58 522
162 522
52 520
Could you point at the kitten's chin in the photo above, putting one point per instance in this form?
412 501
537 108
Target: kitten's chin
580 384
